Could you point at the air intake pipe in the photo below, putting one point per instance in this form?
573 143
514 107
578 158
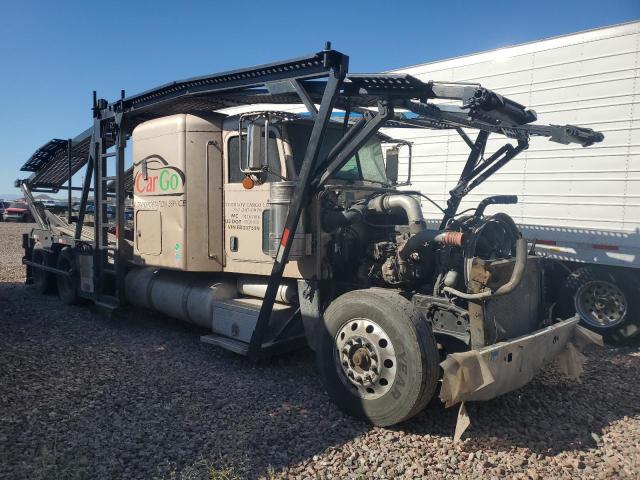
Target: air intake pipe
332 220
394 201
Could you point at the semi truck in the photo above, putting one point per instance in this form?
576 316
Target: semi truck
274 230
578 208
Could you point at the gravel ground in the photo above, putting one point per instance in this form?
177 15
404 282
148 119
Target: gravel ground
137 396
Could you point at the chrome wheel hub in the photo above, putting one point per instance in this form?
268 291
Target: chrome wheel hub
365 357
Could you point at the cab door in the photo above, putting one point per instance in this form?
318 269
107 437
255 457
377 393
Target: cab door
246 211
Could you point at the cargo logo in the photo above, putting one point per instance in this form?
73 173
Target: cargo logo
155 177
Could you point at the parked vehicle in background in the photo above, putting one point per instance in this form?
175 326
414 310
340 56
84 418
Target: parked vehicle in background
128 214
579 208
17 212
3 206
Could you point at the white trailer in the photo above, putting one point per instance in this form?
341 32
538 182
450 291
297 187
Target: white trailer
581 207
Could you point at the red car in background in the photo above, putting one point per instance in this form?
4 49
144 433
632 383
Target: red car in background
3 205
17 212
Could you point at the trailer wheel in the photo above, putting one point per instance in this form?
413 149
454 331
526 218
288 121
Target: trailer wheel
42 281
67 286
606 301
377 356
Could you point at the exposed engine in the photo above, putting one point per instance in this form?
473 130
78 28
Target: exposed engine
383 240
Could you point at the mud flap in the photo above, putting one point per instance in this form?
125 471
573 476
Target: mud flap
486 373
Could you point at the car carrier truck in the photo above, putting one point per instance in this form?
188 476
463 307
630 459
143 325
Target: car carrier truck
578 208
273 230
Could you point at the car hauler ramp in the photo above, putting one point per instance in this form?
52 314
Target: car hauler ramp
52 163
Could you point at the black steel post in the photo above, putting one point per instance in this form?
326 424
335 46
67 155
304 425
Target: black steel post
456 193
121 142
346 137
507 152
86 188
298 202
98 172
300 89
69 198
369 128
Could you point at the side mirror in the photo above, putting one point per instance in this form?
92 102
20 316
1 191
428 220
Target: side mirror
254 138
393 162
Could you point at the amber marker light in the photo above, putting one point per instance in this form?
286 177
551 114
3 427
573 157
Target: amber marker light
248 183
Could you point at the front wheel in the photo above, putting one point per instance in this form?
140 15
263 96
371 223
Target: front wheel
377 356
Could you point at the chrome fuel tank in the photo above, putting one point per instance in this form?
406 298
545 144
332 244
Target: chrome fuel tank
186 296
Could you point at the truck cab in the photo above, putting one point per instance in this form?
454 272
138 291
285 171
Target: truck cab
234 196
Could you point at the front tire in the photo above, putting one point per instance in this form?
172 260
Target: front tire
377 356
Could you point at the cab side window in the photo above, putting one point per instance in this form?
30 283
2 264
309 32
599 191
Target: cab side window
236 175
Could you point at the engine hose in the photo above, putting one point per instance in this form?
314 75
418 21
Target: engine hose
514 281
419 239
334 219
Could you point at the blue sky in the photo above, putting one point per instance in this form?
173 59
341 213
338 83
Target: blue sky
53 54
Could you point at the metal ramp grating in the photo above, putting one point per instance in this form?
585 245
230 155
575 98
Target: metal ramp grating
390 84
44 154
50 165
309 67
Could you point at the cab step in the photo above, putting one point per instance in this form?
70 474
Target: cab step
107 304
236 318
234 321
235 346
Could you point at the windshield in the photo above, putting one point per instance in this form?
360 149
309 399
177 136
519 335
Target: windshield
18 205
367 164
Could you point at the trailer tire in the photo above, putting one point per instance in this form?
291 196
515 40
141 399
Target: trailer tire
67 286
402 346
618 292
42 281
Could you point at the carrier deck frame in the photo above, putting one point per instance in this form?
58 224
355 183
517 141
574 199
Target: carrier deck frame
321 83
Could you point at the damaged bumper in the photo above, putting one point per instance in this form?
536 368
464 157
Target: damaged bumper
488 372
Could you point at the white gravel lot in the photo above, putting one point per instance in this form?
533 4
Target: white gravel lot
138 396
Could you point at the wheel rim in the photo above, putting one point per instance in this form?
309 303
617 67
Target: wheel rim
365 358
601 304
